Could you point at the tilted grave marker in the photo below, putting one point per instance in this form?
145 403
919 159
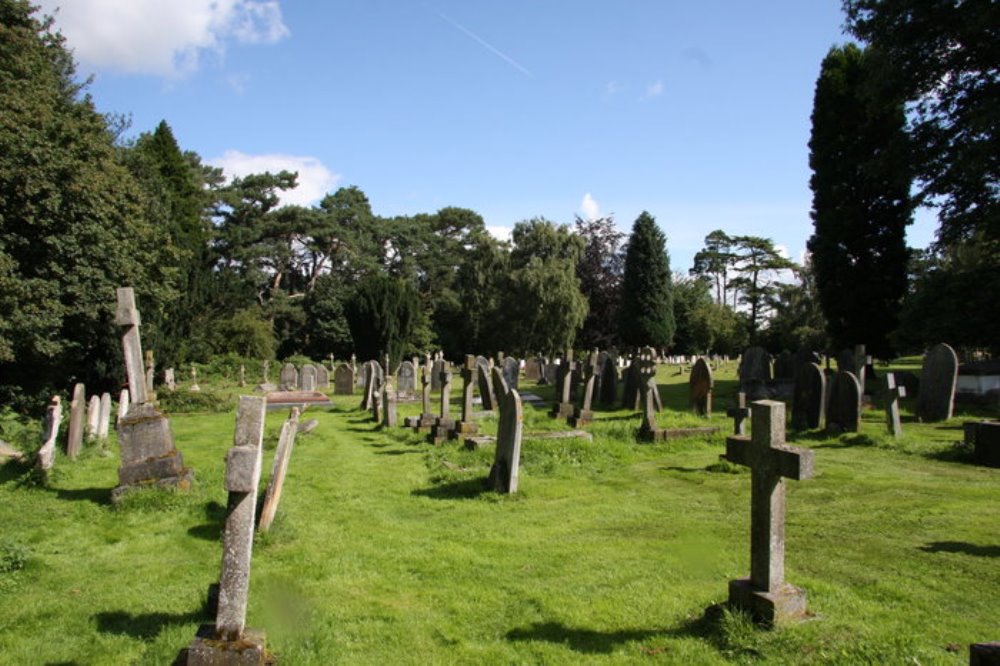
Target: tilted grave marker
50 431
104 416
583 415
275 484
890 397
77 421
485 383
511 371
765 594
504 473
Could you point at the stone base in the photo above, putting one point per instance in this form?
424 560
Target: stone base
475 443
181 481
420 423
581 417
463 429
662 434
984 654
787 604
440 432
562 410
206 650
985 438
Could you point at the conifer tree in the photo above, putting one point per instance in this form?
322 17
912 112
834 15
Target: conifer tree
647 309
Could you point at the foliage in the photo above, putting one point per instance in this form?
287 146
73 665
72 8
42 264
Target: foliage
798 321
182 401
600 272
381 314
757 264
245 334
715 262
326 326
941 56
704 326
647 307
861 203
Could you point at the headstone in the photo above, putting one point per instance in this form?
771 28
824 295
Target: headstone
406 380
938 378
583 415
50 432
169 379
77 421
984 654
467 426
288 380
272 495
765 594
984 436
322 377
533 369
148 455
511 371
343 380
755 372
484 381
550 373
436 370
93 415
426 418
444 423
739 413
243 376
307 377
371 381
123 402
150 371
809 399
647 371
633 387
563 407
104 417
785 366
228 642
843 414
609 382
194 379
503 476
389 411
890 399
700 386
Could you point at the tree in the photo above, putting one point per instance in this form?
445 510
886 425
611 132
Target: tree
600 272
798 321
72 225
715 263
647 310
861 180
757 264
942 56
382 314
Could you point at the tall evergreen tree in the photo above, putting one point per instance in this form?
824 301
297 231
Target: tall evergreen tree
382 314
647 310
861 203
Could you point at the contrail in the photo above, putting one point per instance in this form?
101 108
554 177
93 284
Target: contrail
482 42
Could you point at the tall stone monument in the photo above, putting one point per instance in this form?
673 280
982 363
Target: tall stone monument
507 459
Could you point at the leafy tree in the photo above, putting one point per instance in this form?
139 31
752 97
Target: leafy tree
382 314
647 309
942 56
798 321
326 329
245 334
757 264
861 203
715 263
600 273
704 326
72 225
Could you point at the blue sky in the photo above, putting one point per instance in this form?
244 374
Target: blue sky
695 111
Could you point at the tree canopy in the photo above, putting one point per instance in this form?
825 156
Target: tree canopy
647 310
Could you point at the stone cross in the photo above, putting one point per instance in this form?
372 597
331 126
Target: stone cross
128 316
389 412
467 426
765 594
150 370
891 395
194 379
739 414
272 496
445 377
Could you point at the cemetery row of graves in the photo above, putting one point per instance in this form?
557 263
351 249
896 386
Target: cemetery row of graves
605 508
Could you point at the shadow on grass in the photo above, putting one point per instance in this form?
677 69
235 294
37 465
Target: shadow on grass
959 452
580 640
961 547
397 452
464 489
215 514
145 625
17 471
99 496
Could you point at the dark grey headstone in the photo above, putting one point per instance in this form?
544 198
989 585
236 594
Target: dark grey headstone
700 386
809 400
937 384
844 410
511 371
343 380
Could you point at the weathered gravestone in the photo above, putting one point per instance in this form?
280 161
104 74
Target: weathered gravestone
194 380
288 378
466 426
169 379
322 377
307 377
809 398
550 373
426 419
647 371
148 455
266 386
104 417
343 380
938 378
229 641
275 484
123 401
50 431
533 369
437 368
389 411
700 386
511 371
563 407
406 380
765 595
843 414
242 376
984 436
370 372
583 415
609 381
890 398
484 381
503 476
755 372
444 423
93 415
77 421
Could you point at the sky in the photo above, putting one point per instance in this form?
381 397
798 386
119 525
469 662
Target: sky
697 112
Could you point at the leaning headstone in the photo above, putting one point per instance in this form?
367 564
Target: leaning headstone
938 378
503 476
809 398
288 379
148 455
50 431
765 595
484 382
511 371
843 414
228 641
275 484
307 377
93 415
104 417
700 386
322 377
389 411
123 402
343 380
890 398
77 421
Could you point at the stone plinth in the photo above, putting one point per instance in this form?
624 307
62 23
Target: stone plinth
148 455
206 650
580 417
785 604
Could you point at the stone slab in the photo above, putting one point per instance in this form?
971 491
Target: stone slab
287 399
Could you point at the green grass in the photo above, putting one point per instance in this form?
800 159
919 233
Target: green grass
387 549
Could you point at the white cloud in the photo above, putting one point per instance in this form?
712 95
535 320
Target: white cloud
162 38
613 87
315 180
589 207
499 232
654 89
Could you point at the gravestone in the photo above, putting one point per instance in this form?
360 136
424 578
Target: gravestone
444 423
123 401
307 377
485 384
533 369
228 641
288 378
436 369
563 407
467 427
739 413
511 371
406 380
785 366
504 473
583 415
371 381
169 379
148 455
550 372
104 417
77 421
609 382
194 379
809 399
50 432
890 399
275 484
343 380
700 386
984 437
242 376
266 386
765 595
843 414
426 419
938 378
389 411
93 415
755 372
322 377
846 362
647 371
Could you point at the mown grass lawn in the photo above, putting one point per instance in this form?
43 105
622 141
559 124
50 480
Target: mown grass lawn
387 550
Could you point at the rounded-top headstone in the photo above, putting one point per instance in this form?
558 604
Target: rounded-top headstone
938 379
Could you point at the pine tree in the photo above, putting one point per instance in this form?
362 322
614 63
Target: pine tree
647 309
861 203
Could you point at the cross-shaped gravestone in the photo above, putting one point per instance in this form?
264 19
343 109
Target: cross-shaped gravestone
467 426
127 315
583 415
389 412
739 414
766 595
444 423
563 409
891 395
